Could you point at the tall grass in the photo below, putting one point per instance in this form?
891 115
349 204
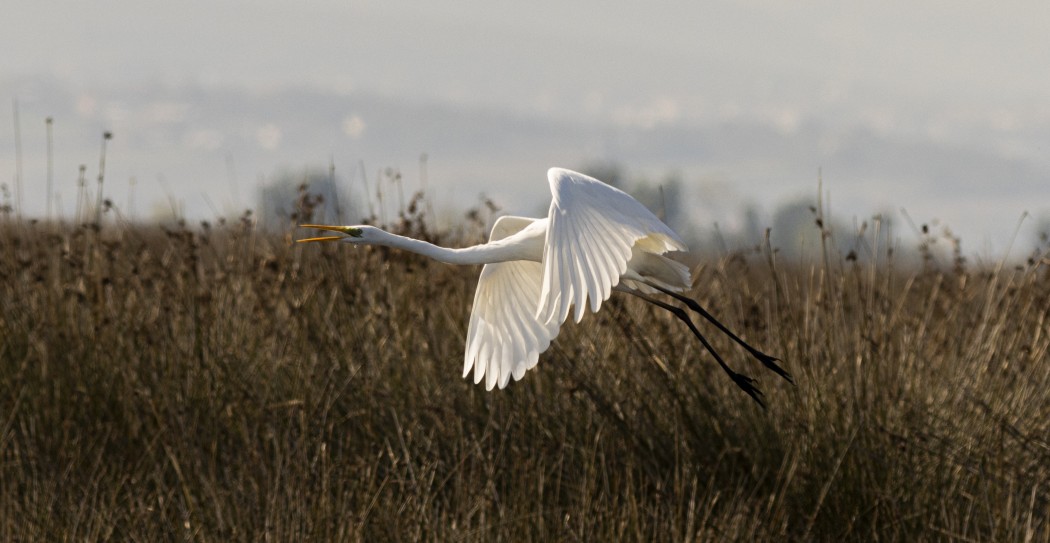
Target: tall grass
221 383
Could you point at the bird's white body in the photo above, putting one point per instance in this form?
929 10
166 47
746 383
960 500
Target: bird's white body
594 239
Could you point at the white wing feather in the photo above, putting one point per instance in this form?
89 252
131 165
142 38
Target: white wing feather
504 339
592 229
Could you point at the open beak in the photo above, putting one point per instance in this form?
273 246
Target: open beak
345 230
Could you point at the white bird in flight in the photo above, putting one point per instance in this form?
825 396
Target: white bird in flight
594 239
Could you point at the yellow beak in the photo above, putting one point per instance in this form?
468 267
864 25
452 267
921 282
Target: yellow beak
323 238
345 230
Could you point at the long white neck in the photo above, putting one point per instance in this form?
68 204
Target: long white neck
498 251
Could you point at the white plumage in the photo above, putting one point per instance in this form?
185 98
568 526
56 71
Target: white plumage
593 236
595 239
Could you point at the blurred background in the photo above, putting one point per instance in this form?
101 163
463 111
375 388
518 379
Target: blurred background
725 117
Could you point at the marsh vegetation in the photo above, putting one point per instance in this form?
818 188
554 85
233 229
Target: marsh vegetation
221 383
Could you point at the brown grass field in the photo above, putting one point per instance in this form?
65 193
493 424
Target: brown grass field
221 383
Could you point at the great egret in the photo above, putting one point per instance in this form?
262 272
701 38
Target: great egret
595 239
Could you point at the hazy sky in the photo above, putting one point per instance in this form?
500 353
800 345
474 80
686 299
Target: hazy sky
939 107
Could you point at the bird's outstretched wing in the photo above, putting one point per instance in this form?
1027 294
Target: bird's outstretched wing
504 338
592 228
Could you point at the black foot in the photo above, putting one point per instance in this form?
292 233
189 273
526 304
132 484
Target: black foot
746 384
771 363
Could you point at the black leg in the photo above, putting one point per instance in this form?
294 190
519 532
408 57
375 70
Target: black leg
744 382
768 361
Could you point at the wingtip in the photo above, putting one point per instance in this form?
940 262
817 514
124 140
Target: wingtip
556 174
555 171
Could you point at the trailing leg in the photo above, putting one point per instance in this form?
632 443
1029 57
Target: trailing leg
744 382
768 361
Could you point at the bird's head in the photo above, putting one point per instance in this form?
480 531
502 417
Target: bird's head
361 234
